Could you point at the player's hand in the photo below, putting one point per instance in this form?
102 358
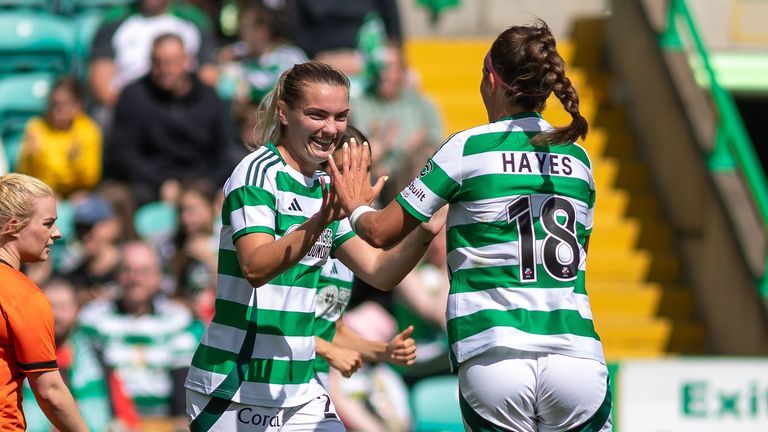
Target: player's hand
401 349
331 209
351 181
345 361
437 221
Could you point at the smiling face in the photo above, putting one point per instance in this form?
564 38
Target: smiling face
312 128
34 241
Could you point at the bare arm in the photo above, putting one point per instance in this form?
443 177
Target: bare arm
342 359
385 268
262 258
400 350
55 400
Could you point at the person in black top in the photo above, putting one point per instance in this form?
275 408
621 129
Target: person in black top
169 127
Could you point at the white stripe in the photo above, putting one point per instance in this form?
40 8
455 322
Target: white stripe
532 299
234 289
420 197
309 205
300 348
288 395
492 162
262 168
286 298
225 238
249 216
567 344
237 179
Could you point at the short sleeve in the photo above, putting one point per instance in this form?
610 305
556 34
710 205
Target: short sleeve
249 209
344 232
438 182
31 324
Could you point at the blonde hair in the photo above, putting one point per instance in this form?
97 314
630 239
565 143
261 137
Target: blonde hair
17 191
289 90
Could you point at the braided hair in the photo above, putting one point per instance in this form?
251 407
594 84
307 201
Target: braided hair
529 68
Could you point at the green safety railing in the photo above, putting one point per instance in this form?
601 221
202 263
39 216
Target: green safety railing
733 149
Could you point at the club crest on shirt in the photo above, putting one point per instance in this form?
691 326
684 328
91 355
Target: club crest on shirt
427 168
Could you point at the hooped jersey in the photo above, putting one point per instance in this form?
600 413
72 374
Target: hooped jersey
518 221
333 293
259 348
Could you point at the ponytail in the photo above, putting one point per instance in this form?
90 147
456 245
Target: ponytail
527 62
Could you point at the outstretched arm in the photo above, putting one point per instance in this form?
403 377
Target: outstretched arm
400 350
381 228
385 268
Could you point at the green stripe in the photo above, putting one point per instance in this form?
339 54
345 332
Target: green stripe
534 322
285 221
272 322
208 417
483 278
321 365
439 182
410 209
337 242
245 196
286 183
266 167
251 230
271 371
478 235
490 186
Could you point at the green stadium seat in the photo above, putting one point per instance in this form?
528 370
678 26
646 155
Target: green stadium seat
22 96
435 403
46 5
155 220
35 40
76 6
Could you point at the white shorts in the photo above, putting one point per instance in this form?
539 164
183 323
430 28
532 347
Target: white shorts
508 390
213 414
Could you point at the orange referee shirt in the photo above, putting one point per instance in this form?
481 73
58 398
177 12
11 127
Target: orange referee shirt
26 341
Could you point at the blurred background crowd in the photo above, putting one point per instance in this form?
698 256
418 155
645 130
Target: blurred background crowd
135 112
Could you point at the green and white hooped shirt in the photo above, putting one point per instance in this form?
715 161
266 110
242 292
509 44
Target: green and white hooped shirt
260 347
518 220
333 294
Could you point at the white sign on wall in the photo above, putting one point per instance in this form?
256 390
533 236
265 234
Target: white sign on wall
702 395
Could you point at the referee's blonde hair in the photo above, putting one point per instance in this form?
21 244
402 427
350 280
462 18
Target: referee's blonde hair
17 192
527 61
289 89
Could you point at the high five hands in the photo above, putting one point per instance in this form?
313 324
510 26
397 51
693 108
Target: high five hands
351 182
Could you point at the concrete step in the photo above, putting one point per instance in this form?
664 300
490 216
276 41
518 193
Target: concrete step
639 300
651 335
632 266
629 233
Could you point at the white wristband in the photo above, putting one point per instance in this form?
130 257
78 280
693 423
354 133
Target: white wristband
356 213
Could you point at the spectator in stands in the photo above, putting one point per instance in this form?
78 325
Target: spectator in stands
168 126
92 261
328 30
63 148
251 66
121 47
78 363
195 248
146 339
404 126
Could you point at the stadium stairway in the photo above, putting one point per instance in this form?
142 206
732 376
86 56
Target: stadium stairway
640 304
